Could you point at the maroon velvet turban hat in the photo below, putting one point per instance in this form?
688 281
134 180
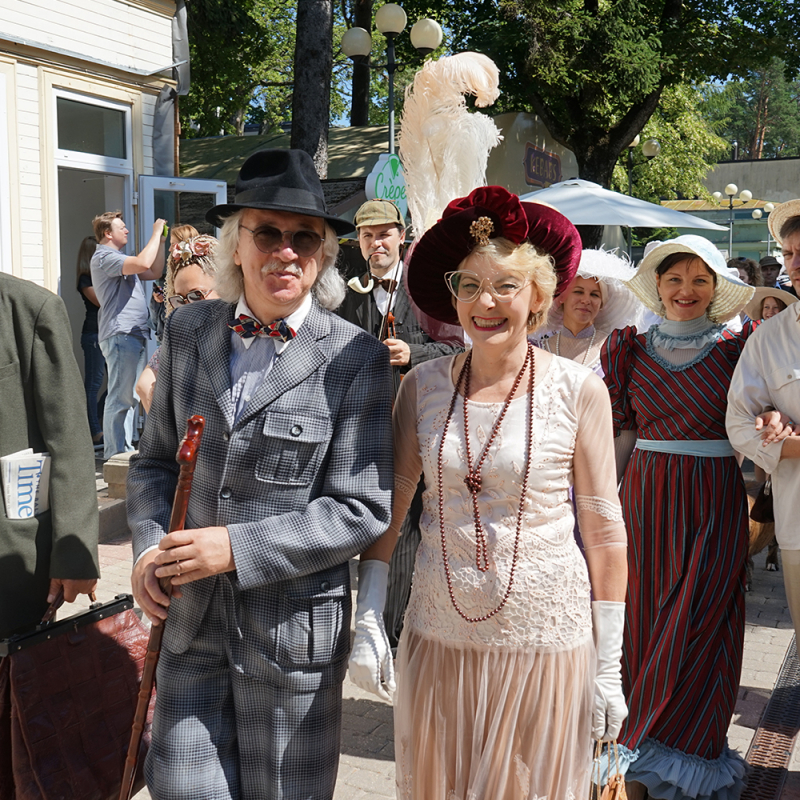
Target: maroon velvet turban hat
488 212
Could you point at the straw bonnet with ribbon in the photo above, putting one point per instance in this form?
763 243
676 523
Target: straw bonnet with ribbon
620 307
780 215
488 212
753 308
730 294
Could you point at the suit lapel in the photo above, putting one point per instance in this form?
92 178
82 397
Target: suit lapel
401 304
214 346
301 358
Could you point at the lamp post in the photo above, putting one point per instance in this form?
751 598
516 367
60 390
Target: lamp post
745 196
391 20
650 149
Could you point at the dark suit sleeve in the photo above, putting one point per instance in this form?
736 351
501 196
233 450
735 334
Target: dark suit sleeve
429 350
354 508
61 413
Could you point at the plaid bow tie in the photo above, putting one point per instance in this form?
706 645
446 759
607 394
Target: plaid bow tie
247 328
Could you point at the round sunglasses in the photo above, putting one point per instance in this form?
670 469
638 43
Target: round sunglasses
268 239
194 296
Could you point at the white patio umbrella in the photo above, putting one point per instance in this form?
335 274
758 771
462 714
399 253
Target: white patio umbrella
587 203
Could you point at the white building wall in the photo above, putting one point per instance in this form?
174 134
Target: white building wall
58 44
140 40
30 172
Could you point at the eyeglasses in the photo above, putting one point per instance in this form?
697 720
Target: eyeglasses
268 239
194 296
467 286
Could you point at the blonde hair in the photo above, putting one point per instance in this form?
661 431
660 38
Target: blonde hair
536 265
182 233
329 288
197 251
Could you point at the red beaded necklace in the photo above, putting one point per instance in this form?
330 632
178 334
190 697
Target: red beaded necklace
473 478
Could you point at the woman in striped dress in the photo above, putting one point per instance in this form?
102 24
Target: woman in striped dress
685 508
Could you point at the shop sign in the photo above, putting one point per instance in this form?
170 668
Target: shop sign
388 182
542 168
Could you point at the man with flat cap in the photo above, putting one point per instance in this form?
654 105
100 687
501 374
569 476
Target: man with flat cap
293 478
381 232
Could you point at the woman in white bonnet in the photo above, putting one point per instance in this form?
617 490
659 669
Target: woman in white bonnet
596 303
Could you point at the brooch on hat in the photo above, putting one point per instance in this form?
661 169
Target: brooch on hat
480 230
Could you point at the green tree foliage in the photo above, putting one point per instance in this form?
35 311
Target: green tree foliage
595 70
689 148
760 111
242 55
241 52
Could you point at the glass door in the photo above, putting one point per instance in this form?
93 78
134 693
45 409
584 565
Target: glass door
180 201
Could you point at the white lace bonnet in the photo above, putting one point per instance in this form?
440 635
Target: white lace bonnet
620 306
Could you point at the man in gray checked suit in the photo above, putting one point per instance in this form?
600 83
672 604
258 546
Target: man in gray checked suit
293 478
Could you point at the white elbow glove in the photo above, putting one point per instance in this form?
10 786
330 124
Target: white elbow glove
371 665
609 709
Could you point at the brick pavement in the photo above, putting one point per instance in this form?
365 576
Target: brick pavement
367 761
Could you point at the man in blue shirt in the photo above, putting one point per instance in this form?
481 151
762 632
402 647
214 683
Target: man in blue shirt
123 328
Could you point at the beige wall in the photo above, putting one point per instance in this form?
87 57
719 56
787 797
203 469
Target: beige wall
774 180
525 133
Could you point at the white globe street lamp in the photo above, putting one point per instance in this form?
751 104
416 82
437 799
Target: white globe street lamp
745 196
391 21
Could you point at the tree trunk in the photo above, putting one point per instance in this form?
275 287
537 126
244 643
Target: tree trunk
311 98
359 108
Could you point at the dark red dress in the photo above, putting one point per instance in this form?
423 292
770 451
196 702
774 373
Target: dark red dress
687 524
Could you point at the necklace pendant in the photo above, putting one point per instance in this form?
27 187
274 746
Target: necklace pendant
473 481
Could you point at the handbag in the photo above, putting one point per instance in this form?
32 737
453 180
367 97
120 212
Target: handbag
615 784
762 510
68 693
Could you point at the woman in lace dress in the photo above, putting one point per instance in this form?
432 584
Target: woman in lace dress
596 302
501 683
684 503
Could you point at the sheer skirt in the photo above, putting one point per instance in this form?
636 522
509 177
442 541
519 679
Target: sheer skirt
492 723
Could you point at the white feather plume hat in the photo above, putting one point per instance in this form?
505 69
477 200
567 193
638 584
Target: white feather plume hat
621 307
730 295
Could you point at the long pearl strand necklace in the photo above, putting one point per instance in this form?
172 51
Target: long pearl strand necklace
588 349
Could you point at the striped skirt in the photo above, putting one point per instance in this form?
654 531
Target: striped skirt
687 544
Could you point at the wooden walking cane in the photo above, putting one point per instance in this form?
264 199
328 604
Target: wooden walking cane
186 457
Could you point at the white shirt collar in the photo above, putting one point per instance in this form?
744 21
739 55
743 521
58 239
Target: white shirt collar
395 272
294 320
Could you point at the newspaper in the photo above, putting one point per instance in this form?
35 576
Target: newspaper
26 483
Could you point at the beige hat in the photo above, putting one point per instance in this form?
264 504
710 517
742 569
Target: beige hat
753 308
379 212
779 215
730 295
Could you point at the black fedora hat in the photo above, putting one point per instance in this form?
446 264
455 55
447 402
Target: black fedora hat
279 180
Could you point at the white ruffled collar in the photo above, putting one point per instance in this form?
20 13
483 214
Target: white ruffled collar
693 334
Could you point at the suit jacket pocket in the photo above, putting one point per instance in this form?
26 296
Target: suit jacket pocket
292 447
10 371
314 631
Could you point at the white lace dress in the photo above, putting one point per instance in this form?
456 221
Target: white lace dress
501 709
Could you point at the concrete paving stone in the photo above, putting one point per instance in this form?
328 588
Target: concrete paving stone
355 723
344 792
367 767
372 782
